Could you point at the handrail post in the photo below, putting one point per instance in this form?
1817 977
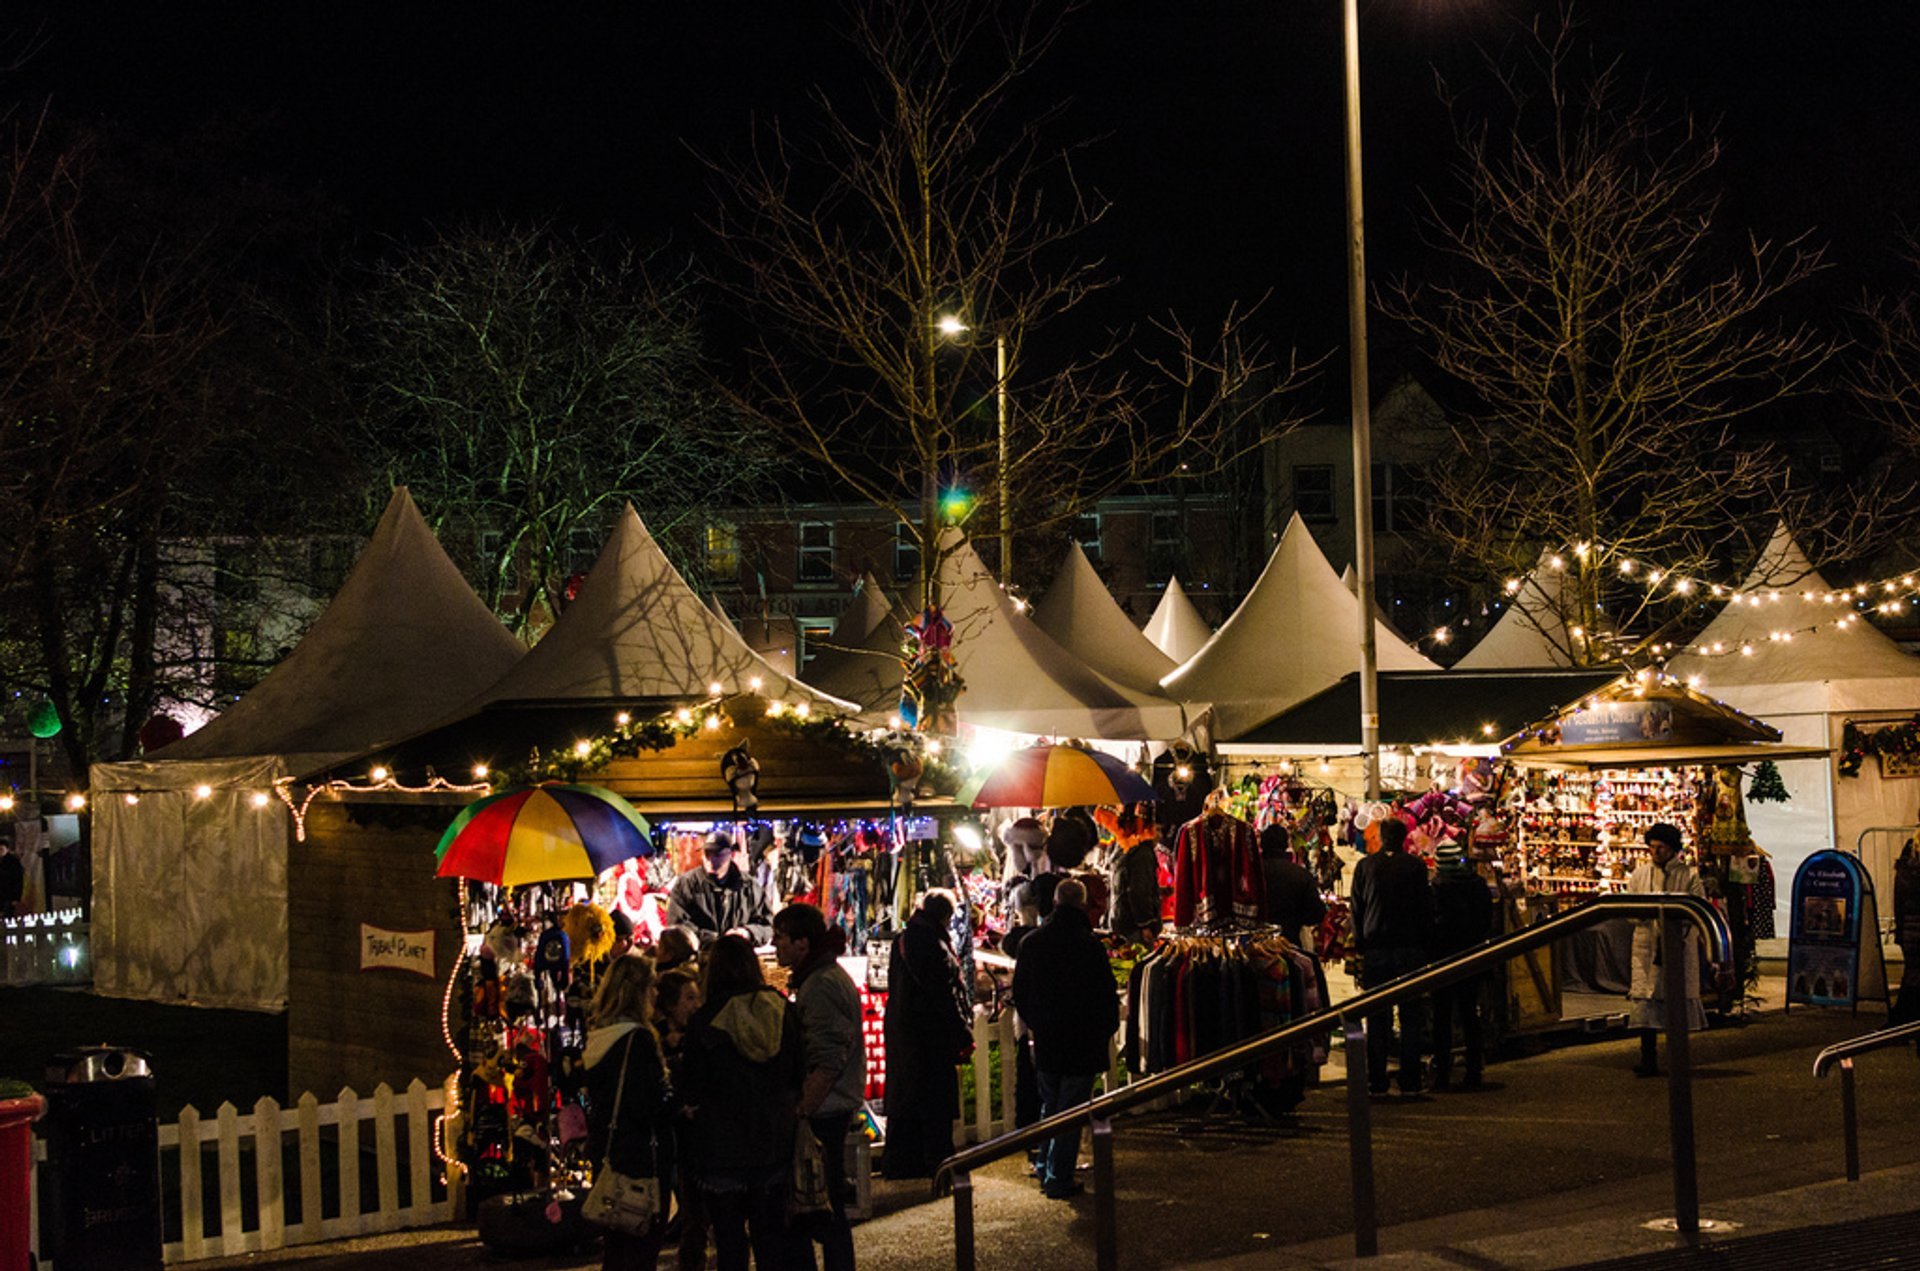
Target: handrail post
1849 1110
962 1220
1106 1239
1675 951
1366 1236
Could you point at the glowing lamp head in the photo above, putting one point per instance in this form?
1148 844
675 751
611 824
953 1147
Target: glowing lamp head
713 723
623 719
582 749
203 791
258 798
713 689
480 771
76 801
6 803
955 505
380 774
755 683
949 325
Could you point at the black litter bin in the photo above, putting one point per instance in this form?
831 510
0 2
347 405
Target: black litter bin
100 1196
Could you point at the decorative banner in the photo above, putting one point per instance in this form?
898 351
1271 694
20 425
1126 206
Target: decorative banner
383 950
1614 723
1827 964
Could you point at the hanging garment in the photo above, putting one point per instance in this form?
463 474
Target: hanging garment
1217 879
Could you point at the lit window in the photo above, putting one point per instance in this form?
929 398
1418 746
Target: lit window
723 552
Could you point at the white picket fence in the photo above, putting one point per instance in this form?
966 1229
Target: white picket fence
262 1134
993 1040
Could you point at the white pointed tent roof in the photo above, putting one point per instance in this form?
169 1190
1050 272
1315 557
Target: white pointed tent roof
1532 633
637 632
862 659
1083 618
1292 637
720 612
1019 680
1176 628
403 641
1851 669
1349 580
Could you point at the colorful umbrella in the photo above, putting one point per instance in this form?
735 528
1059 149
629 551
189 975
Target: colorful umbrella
1057 777
542 834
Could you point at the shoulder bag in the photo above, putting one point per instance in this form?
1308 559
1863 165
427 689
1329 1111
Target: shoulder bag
622 1202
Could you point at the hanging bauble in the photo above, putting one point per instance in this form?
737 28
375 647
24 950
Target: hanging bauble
43 721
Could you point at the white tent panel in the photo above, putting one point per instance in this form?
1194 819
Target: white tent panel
1533 632
1176 627
1019 680
1295 635
1083 618
860 660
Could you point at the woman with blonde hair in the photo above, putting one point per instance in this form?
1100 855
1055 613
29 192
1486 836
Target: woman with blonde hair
625 1067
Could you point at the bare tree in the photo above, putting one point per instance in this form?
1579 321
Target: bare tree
1612 350
525 385
1886 379
938 194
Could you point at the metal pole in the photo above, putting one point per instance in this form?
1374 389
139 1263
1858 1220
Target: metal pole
1675 949
1362 419
1006 501
1106 1239
1849 1110
1366 1233
962 1220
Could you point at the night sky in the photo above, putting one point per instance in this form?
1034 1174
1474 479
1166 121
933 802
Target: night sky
1221 118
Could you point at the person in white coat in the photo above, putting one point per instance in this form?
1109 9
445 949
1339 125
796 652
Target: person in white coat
1647 993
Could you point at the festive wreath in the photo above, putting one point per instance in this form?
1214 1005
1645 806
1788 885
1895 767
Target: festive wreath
1856 743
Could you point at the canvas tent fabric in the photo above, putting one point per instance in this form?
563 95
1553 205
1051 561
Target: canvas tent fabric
637 632
1019 680
190 890
859 660
1533 632
1176 627
1810 688
1294 635
1083 618
1351 582
1421 708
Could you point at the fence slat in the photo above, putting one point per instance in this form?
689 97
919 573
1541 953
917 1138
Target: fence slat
350 1223
193 1213
982 1076
419 1152
388 1214
232 1239
268 1183
307 1117
1009 1071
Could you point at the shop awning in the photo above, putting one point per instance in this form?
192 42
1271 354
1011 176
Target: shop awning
1664 756
1423 708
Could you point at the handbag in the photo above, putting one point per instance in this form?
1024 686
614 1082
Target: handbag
808 1193
622 1202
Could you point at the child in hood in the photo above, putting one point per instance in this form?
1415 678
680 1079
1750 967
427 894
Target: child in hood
743 1067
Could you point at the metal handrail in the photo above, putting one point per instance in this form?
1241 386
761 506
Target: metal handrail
955 1172
1843 1053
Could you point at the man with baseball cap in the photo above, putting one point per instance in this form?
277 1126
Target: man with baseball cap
715 898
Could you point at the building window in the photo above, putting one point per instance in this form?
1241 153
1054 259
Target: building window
1397 504
816 551
723 552
812 631
1086 532
906 554
1166 528
1313 491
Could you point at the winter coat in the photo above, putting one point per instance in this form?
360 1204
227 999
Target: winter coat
711 906
829 1007
1463 910
643 1138
928 1022
1293 897
743 1065
1392 902
1135 886
1649 979
1064 989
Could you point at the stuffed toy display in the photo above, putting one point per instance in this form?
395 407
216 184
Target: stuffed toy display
741 771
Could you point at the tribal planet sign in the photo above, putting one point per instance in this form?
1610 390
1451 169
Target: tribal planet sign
383 950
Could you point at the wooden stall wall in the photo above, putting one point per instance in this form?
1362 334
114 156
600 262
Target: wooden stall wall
358 1025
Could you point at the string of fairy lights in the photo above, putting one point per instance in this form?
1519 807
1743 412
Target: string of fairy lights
1889 595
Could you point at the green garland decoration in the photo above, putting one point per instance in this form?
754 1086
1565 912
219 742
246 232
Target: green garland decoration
1766 786
1856 743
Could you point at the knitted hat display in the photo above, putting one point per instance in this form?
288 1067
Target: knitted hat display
1027 832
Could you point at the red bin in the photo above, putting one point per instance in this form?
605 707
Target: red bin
16 1173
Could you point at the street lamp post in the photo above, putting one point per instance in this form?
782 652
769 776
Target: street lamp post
952 327
1362 421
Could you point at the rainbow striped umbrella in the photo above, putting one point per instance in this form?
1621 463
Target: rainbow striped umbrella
1058 777
542 834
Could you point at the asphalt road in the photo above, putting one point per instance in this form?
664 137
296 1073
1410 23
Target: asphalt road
1561 1138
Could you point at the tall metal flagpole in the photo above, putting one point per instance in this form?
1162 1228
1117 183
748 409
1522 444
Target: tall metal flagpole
1362 422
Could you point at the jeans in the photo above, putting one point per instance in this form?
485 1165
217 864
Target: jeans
831 1230
1058 1092
1377 967
1461 998
750 1215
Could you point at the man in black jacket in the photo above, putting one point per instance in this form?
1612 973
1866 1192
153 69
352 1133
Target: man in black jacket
1064 991
715 899
1392 927
1293 897
1463 910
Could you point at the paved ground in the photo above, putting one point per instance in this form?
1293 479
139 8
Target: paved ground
1562 1160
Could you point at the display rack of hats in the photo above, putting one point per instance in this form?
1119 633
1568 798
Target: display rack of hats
1580 834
